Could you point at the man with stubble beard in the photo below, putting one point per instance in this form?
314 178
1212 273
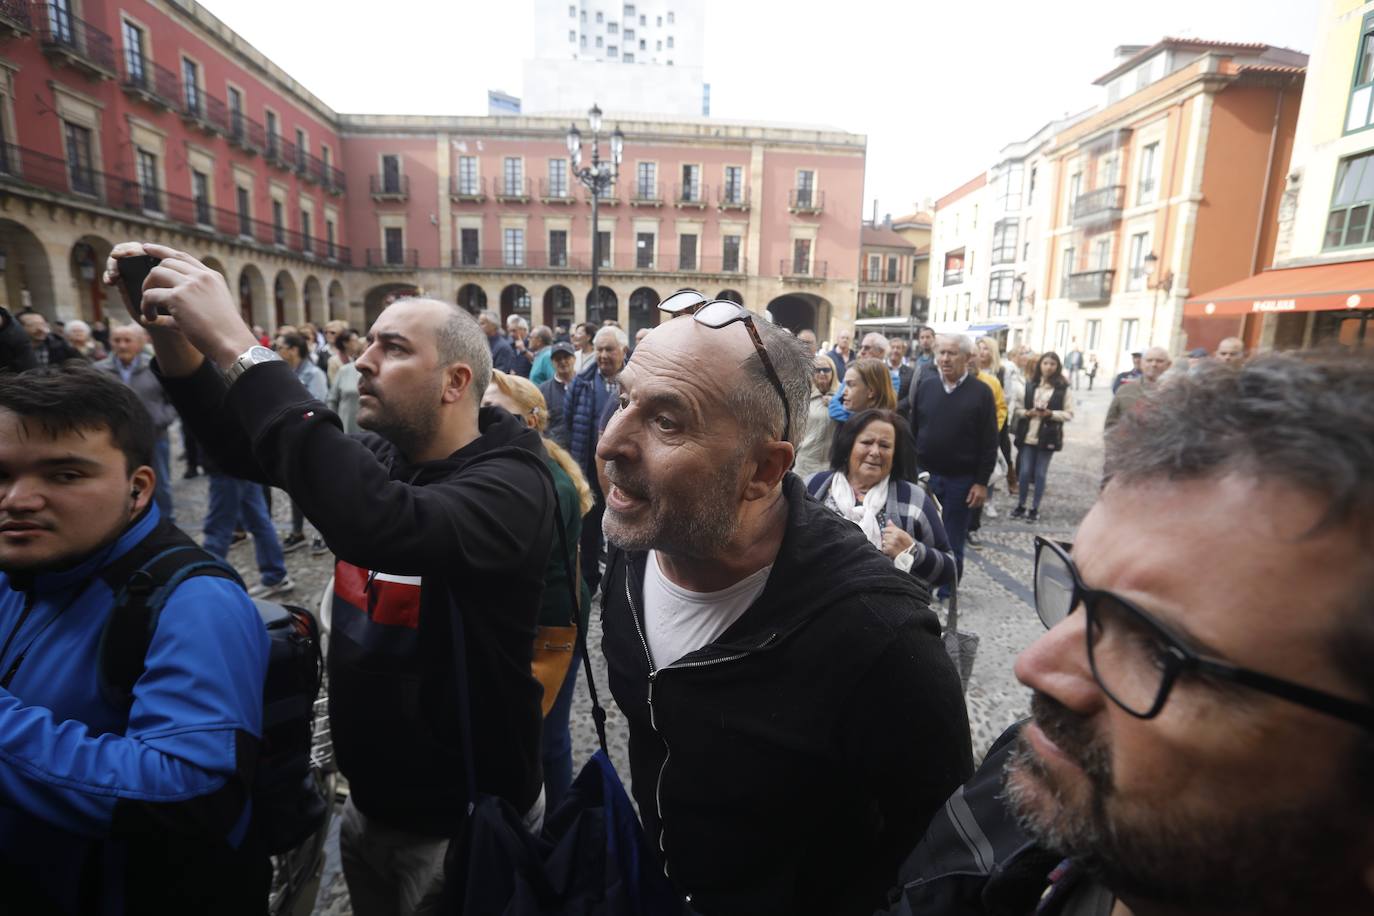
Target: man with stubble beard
1202 707
794 719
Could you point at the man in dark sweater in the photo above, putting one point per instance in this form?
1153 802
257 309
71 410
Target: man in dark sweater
954 419
442 508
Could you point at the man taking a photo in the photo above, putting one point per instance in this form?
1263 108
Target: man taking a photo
441 509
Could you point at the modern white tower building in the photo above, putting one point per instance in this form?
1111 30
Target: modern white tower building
640 57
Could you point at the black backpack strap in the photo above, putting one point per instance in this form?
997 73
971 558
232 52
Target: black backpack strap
142 580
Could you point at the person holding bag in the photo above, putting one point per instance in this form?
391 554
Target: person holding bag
555 653
1040 417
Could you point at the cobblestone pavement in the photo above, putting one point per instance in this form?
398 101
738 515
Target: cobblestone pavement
995 601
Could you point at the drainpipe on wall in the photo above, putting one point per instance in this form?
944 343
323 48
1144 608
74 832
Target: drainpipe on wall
1268 179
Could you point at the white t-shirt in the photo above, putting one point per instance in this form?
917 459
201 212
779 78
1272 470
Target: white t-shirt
678 622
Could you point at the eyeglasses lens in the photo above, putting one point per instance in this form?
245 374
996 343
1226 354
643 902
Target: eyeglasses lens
1128 656
683 298
1053 587
717 314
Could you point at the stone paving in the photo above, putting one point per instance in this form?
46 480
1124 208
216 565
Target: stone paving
995 601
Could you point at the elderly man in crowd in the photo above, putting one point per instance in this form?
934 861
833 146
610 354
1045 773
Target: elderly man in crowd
503 355
1195 747
793 716
128 363
590 402
1153 364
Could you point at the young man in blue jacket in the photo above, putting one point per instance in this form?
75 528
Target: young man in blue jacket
114 804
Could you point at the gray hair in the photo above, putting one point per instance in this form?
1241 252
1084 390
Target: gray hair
76 324
489 315
612 331
963 340
517 321
755 401
1304 419
459 339
876 340
543 333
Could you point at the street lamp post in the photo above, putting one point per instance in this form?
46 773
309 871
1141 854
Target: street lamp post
596 177
1165 283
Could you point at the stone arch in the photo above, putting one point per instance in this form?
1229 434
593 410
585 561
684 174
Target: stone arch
733 295
559 306
338 302
643 310
27 275
379 297
253 304
472 297
286 301
515 300
800 311
313 293
609 306
85 264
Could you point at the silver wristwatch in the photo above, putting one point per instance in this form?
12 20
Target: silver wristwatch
247 360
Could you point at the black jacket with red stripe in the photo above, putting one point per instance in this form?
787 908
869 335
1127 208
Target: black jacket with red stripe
416 544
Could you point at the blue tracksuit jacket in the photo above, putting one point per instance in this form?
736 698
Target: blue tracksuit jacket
80 779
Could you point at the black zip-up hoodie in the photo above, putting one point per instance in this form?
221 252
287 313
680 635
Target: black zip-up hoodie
790 766
415 544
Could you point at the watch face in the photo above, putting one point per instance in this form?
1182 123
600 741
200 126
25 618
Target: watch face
260 355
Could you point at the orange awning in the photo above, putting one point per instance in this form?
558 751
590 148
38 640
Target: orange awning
1317 287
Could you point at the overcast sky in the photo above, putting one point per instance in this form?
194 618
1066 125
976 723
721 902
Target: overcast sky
938 88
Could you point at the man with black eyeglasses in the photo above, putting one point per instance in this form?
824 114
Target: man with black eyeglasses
1202 708
794 720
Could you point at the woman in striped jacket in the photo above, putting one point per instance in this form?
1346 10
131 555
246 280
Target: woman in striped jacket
870 482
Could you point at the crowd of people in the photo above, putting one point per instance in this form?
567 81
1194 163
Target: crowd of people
768 524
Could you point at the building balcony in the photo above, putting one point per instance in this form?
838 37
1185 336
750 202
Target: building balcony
472 191
27 168
1093 208
953 277
15 20
205 111
606 199
647 194
802 271
390 187
149 81
515 260
245 133
691 195
499 261
806 201
732 197
282 153
393 258
1091 287
555 193
880 281
513 191
74 42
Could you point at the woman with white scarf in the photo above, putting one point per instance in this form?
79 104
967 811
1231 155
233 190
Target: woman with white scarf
872 465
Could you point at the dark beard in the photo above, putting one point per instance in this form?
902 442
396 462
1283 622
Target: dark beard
1254 861
411 429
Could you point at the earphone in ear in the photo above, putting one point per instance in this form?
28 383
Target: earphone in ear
134 493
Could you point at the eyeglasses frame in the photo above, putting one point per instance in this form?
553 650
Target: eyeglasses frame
1179 658
741 314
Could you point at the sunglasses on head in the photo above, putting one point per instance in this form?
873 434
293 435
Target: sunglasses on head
719 313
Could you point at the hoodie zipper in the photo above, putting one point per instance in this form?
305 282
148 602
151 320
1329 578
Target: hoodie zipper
653 721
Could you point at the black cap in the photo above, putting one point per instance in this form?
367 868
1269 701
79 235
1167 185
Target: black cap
563 347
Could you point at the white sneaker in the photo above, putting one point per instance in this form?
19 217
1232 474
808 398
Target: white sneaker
990 510
262 590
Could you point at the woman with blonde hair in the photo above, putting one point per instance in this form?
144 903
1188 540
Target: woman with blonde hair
522 398
814 452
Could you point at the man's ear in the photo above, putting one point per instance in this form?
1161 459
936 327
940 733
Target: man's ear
773 461
457 382
142 484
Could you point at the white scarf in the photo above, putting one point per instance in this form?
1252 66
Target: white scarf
864 515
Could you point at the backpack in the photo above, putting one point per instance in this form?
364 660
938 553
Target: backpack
288 802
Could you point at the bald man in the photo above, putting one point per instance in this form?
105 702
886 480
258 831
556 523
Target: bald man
1153 364
1231 351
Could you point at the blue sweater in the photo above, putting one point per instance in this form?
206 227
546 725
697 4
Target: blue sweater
74 769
